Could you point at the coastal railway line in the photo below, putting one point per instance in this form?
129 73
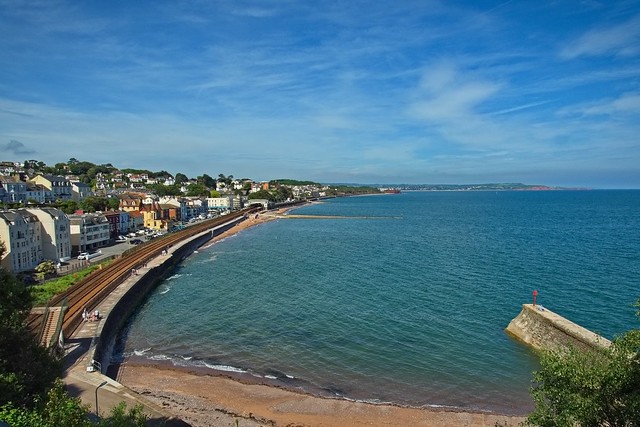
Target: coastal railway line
89 292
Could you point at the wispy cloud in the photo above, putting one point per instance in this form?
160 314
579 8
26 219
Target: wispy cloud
446 94
407 91
619 40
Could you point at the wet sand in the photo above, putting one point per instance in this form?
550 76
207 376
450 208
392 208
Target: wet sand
216 400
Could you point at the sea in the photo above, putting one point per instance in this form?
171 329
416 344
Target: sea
399 298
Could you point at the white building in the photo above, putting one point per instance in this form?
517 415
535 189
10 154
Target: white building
20 231
220 203
56 233
88 232
80 191
15 191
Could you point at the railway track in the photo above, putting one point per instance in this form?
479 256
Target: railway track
89 292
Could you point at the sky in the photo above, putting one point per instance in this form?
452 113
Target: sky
344 91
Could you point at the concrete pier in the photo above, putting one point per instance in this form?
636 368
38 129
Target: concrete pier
543 329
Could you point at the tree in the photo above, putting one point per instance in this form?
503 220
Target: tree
214 193
27 369
67 206
113 203
181 178
262 194
207 181
45 269
94 203
599 388
197 190
166 190
57 408
31 393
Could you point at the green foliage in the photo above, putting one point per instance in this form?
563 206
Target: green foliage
59 409
197 190
120 417
214 193
96 203
262 194
181 178
45 269
341 190
166 190
67 206
41 294
207 181
26 368
113 203
599 388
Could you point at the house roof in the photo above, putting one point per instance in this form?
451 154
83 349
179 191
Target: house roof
53 178
81 184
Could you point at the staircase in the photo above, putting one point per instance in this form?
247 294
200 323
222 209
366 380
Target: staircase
52 326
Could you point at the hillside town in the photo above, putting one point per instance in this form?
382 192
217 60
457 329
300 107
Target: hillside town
72 209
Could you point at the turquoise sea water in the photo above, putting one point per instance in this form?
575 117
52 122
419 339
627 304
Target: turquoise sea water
406 302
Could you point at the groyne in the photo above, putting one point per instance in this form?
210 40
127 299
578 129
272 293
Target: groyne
543 329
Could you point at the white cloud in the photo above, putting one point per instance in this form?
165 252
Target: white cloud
622 39
446 94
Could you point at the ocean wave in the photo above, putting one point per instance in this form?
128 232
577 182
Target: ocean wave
175 276
159 357
167 289
225 368
141 352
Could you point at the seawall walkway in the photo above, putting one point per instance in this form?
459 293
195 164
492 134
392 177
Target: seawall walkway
88 350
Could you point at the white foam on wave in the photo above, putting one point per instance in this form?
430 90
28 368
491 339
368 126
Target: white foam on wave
167 289
175 276
271 377
159 357
141 352
225 368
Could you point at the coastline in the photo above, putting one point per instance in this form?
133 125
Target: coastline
217 400
205 399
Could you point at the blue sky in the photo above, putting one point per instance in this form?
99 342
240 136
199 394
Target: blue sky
540 92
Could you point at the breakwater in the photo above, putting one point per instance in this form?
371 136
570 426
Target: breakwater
543 329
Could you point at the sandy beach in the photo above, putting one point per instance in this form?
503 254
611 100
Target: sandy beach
217 400
206 400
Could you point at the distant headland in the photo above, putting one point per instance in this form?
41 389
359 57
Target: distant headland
476 187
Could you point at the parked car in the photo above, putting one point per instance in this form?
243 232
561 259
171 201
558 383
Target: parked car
136 241
121 238
88 256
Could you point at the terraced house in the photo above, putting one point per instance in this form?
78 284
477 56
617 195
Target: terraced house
20 230
60 187
88 232
56 233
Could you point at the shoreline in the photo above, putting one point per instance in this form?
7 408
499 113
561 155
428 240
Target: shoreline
203 398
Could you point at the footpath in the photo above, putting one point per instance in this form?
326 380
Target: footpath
83 377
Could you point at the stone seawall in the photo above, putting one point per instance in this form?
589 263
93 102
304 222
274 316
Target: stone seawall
543 329
115 320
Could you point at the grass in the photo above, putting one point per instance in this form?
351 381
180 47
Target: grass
44 292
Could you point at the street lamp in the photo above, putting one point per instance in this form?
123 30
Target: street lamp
101 384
